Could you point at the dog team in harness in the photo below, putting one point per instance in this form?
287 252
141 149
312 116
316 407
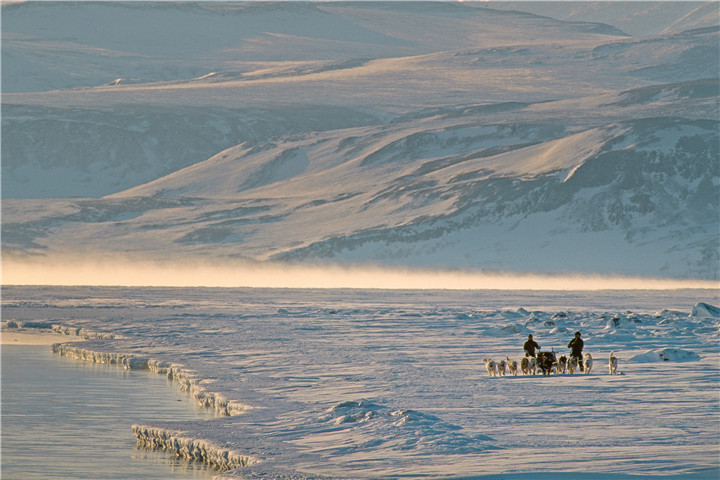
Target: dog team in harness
547 362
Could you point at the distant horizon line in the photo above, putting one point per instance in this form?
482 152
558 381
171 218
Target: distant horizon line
133 273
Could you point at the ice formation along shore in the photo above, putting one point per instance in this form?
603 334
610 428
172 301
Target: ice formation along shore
187 380
669 352
174 442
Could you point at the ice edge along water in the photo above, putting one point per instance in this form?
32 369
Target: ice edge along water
148 437
249 433
177 442
187 379
154 438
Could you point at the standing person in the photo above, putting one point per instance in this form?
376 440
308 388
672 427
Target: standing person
576 346
530 347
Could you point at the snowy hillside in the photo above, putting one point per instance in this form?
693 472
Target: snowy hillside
406 134
632 17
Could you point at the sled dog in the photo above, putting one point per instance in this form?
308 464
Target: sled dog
546 360
572 365
525 366
491 366
533 365
501 367
512 366
613 363
588 363
561 365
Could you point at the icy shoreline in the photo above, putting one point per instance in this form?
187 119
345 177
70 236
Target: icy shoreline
148 437
48 327
366 384
174 442
187 380
69 419
151 438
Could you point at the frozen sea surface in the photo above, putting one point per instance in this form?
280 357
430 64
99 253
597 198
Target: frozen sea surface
391 384
63 418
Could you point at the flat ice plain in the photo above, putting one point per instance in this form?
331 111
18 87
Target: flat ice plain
390 384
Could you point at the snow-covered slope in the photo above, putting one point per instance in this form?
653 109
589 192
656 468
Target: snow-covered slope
68 44
633 18
72 152
411 134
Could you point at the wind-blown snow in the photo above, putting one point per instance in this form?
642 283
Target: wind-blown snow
388 384
433 135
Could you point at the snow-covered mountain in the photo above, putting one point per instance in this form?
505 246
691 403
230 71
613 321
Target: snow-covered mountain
634 18
406 134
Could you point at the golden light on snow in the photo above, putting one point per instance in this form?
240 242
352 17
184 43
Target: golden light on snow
189 274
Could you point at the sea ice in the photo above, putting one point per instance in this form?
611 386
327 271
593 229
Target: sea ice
666 355
704 310
381 384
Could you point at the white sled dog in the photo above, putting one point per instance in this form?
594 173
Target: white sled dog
588 363
512 366
525 366
572 365
491 366
613 363
501 367
533 365
561 365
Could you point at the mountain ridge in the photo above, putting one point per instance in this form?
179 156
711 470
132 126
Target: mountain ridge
424 135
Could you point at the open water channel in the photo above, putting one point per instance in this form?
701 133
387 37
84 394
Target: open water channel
64 418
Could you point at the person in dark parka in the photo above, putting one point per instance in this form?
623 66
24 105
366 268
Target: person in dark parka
530 347
576 346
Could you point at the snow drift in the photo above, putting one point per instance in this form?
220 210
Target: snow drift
666 355
704 310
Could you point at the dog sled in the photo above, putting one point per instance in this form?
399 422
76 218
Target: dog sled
546 362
